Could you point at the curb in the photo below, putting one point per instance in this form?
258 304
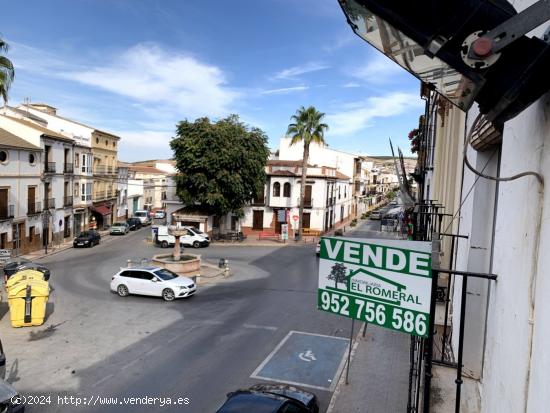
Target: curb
342 379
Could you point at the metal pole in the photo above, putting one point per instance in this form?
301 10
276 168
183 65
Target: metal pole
447 299
365 330
349 350
429 347
458 380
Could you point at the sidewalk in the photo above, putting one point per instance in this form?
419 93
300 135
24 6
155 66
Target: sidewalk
378 375
54 249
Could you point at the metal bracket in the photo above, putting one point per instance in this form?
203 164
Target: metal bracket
491 43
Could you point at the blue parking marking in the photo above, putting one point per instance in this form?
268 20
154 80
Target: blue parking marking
305 359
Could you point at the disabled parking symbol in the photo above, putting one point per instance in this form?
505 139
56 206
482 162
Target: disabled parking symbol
305 359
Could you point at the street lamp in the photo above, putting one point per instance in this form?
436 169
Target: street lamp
467 50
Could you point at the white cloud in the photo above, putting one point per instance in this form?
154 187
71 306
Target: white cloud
377 69
340 42
284 90
151 75
359 115
352 84
296 71
145 138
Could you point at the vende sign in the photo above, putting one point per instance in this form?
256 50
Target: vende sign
382 282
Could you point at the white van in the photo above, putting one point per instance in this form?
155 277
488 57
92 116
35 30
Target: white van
143 216
190 239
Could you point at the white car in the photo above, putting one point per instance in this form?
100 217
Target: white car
191 238
143 216
155 281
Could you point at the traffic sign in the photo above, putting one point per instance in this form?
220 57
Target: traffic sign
382 282
295 217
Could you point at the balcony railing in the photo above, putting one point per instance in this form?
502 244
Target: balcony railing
104 170
258 202
85 197
308 202
68 168
104 195
34 208
7 212
68 201
49 167
49 203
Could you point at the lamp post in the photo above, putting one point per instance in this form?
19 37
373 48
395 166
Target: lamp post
46 228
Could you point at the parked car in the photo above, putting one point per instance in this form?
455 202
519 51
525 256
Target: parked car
87 239
375 215
134 223
20 264
270 398
197 231
10 400
143 216
119 228
154 281
190 239
159 215
318 248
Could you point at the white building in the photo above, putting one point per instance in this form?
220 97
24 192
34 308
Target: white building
327 201
20 194
57 174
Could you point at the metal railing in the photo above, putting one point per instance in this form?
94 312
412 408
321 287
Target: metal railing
49 167
67 201
49 203
258 202
34 208
7 212
308 202
104 170
68 168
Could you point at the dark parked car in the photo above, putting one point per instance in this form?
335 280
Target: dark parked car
270 398
134 223
87 239
19 264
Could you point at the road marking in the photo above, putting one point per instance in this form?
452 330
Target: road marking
307 356
97 383
270 328
134 361
153 350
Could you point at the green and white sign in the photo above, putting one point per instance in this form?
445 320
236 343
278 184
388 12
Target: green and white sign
382 282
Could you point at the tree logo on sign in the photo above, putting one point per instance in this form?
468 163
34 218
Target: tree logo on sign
338 274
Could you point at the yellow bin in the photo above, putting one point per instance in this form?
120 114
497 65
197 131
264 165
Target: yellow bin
22 276
27 301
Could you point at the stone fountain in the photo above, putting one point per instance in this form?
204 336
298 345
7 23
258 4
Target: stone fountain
187 264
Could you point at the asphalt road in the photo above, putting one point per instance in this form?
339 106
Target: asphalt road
96 345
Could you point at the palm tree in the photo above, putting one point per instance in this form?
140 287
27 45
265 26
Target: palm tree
7 72
307 127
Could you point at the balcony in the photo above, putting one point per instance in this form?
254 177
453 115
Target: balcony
34 208
49 203
100 195
6 213
258 202
308 202
68 168
68 201
104 170
49 167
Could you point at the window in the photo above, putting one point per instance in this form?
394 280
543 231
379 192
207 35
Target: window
3 156
83 163
76 188
97 140
31 234
286 190
106 142
32 158
277 189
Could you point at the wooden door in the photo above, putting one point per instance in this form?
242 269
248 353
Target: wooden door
3 202
307 196
31 199
258 220
306 217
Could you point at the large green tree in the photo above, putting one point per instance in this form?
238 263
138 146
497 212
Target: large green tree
7 73
307 127
221 164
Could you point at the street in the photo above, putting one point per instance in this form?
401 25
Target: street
97 345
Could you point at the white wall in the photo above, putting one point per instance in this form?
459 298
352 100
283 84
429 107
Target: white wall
318 155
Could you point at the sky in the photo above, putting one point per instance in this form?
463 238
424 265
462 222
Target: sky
137 67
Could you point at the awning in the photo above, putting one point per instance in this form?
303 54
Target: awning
102 209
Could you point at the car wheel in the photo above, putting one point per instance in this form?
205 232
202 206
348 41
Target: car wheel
196 244
168 294
164 244
122 290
